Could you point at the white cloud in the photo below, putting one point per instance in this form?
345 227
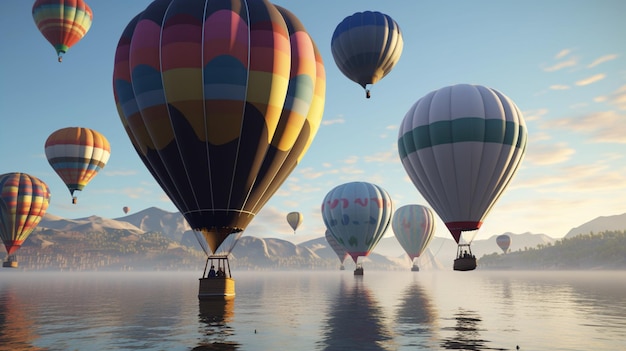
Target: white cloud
120 172
603 126
559 87
561 65
562 53
590 80
533 115
602 59
548 154
618 98
328 122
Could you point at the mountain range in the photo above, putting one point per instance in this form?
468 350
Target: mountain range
154 233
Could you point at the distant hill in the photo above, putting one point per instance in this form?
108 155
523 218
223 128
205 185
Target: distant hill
156 239
603 223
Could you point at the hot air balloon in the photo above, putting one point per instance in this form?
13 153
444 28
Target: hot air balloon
461 146
221 100
77 155
62 22
126 209
357 215
366 46
337 248
503 241
294 219
24 200
414 227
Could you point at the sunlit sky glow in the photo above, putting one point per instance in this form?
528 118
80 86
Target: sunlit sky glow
562 62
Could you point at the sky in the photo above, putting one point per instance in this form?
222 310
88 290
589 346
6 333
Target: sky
563 62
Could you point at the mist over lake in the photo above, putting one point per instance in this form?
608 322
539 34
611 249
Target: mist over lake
323 310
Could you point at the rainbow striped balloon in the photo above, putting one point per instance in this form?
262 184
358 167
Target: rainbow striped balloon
62 22
77 155
221 100
24 200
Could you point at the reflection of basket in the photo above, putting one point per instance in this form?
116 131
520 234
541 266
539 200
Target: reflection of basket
217 310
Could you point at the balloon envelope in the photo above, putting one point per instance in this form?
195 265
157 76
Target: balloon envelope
461 146
62 22
221 100
337 248
503 241
24 200
77 154
366 46
357 215
126 209
294 219
414 227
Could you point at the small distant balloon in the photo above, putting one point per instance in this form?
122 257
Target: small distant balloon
62 22
126 209
294 219
503 241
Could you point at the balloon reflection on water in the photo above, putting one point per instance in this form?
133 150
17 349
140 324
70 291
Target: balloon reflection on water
416 316
214 317
16 328
356 320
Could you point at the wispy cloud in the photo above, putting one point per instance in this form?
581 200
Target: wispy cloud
562 53
602 127
590 80
542 154
328 122
602 59
534 115
560 65
382 157
559 87
618 98
119 172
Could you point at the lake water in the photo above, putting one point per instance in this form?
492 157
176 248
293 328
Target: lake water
437 310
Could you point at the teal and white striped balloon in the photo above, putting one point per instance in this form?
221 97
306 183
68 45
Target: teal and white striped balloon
461 145
414 227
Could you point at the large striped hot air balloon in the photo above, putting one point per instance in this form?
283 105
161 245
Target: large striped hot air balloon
24 200
461 146
357 215
366 46
221 100
77 155
62 22
414 227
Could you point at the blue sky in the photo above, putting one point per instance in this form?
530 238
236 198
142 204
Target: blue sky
562 62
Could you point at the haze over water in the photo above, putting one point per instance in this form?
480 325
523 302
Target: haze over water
333 310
